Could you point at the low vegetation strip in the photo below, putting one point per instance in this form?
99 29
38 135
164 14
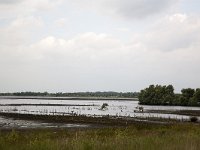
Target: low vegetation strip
109 94
67 98
140 137
44 105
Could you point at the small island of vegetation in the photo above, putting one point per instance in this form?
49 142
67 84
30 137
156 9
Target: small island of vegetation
164 95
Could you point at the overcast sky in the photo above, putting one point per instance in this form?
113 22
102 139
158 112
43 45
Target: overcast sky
98 45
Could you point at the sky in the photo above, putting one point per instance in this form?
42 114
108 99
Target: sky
98 45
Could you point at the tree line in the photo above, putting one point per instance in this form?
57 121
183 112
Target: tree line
76 94
164 95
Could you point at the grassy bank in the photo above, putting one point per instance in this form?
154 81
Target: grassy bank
140 137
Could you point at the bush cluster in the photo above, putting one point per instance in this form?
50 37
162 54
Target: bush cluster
164 95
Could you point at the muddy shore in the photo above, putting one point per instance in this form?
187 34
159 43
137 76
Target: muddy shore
177 112
105 120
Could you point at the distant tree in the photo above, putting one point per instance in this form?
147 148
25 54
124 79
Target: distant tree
195 100
188 93
187 97
164 95
157 95
197 95
76 94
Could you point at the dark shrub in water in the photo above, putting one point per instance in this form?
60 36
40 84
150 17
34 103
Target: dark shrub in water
104 106
193 119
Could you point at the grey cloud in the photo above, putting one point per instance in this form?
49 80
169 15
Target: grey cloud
134 9
141 8
10 1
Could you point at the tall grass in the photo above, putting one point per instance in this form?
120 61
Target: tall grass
144 137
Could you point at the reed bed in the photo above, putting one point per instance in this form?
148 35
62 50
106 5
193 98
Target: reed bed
140 137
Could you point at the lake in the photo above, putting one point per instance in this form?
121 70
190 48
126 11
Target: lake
120 108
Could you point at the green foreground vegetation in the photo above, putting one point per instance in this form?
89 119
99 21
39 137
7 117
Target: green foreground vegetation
164 95
139 137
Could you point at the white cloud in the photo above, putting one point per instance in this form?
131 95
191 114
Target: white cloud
174 32
27 22
42 4
87 46
123 29
36 54
177 18
61 22
102 61
20 30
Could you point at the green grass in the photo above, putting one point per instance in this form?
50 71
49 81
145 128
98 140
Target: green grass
139 137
